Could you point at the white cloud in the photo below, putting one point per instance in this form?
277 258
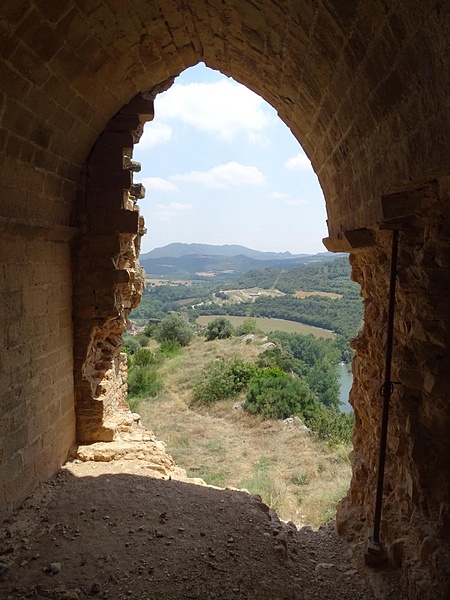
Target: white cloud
224 176
300 162
155 134
279 196
287 199
158 184
258 139
299 202
167 212
223 108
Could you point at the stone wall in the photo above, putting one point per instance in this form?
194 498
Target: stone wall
37 425
108 279
416 511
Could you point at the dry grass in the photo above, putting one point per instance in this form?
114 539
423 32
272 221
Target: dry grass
226 446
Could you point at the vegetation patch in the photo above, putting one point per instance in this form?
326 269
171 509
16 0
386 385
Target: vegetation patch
300 474
276 395
269 325
222 379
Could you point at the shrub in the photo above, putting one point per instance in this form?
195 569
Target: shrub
174 329
219 328
143 382
331 425
278 396
143 357
169 348
248 326
131 345
150 330
142 339
277 357
223 379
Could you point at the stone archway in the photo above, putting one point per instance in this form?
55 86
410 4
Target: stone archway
364 88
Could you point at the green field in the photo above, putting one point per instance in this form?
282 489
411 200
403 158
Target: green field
268 325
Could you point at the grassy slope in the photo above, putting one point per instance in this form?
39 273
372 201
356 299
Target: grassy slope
226 446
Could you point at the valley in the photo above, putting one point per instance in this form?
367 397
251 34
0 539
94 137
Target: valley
284 334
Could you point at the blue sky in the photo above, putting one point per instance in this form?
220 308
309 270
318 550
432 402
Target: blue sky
220 167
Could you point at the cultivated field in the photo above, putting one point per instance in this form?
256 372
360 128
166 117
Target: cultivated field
161 281
267 325
301 294
251 294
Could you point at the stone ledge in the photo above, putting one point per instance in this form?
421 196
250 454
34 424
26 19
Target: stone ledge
151 451
14 227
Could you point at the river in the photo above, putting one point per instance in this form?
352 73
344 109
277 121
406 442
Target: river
346 380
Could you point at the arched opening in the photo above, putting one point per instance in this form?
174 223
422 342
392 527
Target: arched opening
220 168
364 472
363 87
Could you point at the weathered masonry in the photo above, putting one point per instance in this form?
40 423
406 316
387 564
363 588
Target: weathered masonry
363 85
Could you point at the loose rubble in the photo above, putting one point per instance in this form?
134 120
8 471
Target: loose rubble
122 529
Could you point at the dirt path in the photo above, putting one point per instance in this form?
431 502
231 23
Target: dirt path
138 529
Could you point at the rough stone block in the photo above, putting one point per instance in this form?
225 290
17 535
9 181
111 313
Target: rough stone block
113 221
350 241
107 179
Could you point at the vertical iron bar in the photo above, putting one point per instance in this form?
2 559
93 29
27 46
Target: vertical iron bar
386 390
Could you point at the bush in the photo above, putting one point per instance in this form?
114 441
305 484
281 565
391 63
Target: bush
142 339
169 348
275 395
277 357
219 328
248 326
223 379
332 426
174 329
130 344
143 382
150 330
144 357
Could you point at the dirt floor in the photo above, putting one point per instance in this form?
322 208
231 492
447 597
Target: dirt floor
136 528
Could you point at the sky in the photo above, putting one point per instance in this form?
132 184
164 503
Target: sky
220 167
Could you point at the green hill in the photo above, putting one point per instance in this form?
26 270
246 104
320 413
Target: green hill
332 276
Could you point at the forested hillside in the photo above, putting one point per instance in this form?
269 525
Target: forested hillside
228 268
342 314
333 276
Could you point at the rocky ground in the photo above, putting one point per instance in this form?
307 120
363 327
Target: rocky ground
136 528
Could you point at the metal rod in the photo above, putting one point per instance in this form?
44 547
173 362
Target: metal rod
386 390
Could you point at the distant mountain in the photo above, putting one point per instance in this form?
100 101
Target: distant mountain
178 249
180 261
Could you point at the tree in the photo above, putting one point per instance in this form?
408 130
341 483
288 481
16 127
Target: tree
174 329
278 357
248 326
323 380
219 328
278 396
223 378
